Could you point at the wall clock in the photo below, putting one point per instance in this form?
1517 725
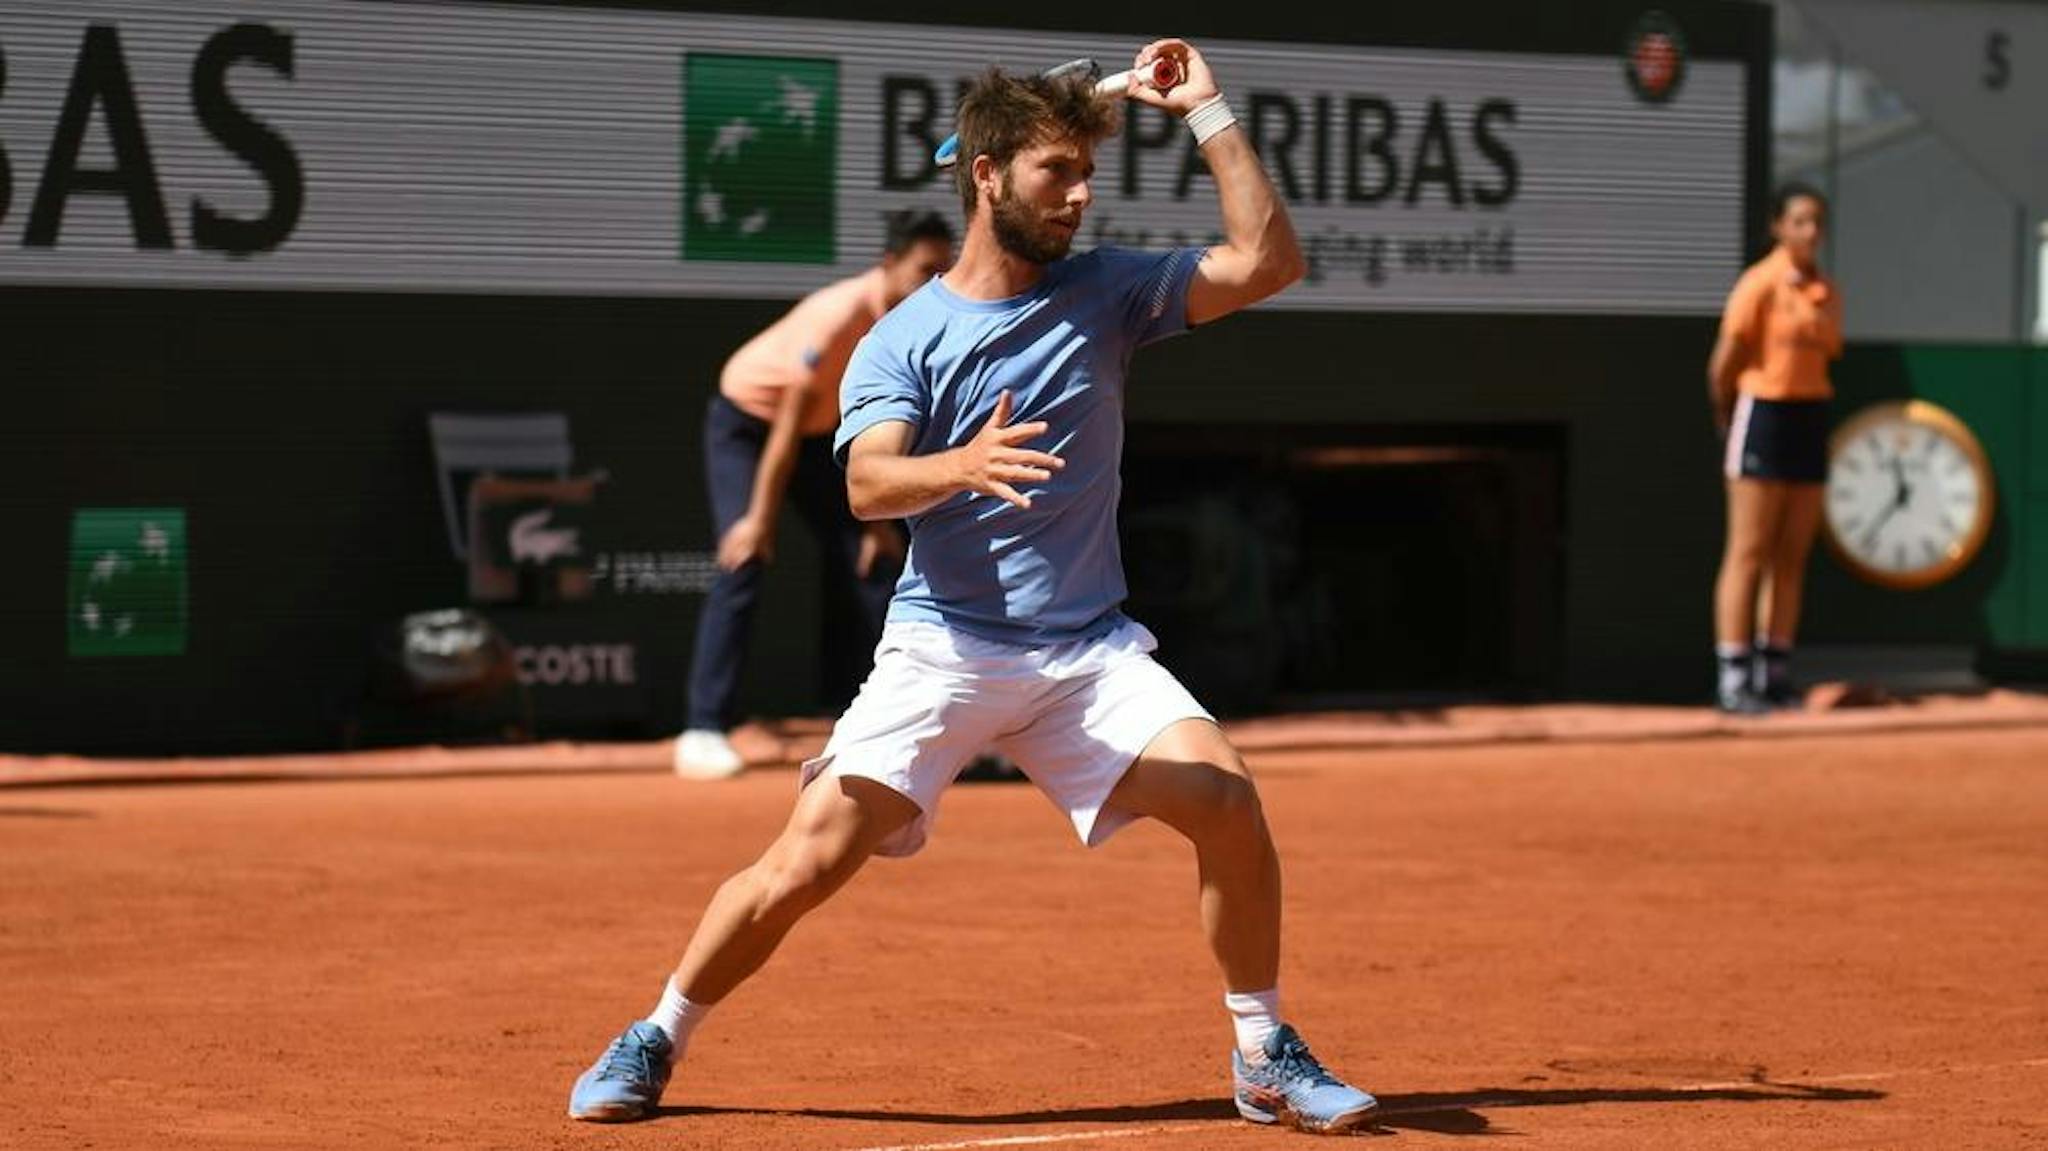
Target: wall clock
1909 494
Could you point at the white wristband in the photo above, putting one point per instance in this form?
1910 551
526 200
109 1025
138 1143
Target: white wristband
1210 117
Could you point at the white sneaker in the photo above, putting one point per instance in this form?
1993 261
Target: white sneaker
706 754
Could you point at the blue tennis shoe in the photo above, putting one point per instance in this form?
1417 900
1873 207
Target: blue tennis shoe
1291 1088
626 1081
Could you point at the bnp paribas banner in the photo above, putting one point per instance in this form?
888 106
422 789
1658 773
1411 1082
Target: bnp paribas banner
520 148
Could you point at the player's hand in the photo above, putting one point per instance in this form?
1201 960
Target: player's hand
750 538
880 544
995 458
1197 82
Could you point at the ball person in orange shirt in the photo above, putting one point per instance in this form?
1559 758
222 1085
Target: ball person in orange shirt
769 433
1768 379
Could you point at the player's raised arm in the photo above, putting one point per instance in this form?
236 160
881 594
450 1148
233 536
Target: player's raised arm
1259 254
883 482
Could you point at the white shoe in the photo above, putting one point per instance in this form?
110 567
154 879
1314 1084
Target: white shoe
706 754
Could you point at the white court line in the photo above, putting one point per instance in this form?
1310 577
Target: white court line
1041 1140
1462 1105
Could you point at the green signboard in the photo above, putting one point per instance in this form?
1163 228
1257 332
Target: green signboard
128 582
760 156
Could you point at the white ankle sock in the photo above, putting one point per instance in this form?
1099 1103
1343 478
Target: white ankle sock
1255 1015
678 1016
1734 662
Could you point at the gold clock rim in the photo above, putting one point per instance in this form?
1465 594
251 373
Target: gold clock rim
1934 416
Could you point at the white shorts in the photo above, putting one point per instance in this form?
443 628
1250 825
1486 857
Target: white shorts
1073 716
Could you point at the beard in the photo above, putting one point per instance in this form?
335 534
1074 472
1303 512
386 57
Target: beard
1023 234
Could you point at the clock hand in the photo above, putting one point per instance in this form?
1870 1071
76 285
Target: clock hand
1870 537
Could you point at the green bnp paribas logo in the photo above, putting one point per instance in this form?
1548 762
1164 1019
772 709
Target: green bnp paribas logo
127 592
760 157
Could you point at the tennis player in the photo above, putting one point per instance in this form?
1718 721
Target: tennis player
987 411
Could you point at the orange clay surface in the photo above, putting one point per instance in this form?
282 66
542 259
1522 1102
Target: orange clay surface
1832 941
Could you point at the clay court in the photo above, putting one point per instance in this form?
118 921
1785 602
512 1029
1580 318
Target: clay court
1819 941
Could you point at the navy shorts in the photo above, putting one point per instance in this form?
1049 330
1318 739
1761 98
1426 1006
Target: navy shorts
1783 440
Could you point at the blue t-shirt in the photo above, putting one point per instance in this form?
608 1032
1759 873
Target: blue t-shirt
1052 572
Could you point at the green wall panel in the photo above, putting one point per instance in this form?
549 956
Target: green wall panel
2037 421
1991 389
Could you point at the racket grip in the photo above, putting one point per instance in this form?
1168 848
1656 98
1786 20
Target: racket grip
1164 74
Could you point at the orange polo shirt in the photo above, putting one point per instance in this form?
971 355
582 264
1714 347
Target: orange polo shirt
808 347
1791 325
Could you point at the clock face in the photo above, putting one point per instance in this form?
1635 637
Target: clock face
1908 495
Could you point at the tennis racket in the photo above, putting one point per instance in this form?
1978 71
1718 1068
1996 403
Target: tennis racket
1163 74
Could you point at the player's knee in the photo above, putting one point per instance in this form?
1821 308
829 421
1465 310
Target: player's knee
786 891
793 882
1230 806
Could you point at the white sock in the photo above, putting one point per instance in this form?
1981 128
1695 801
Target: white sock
1734 661
678 1016
1256 1016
